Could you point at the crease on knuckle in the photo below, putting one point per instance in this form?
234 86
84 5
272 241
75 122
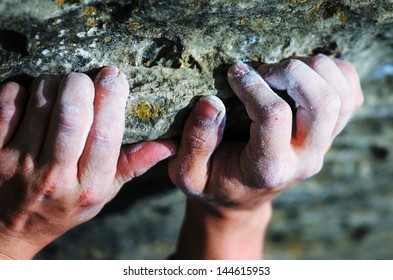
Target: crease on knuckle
72 117
102 139
276 114
198 142
329 103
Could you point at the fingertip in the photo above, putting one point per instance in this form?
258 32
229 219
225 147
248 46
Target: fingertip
111 80
12 87
109 71
167 147
214 101
209 110
239 69
73 80
136 159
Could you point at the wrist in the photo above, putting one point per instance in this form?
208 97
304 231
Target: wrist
223 233
14 248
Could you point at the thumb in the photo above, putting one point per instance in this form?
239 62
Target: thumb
134 160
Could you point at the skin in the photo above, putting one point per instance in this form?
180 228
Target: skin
61 158
230 186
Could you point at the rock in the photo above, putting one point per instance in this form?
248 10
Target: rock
175 51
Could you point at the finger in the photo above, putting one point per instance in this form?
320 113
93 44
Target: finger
70 122
34 127
329 71
352 78
271 116
99 158
134 160
202 133
13 99
318 103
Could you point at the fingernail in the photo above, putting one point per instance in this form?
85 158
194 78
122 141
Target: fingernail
209 108
238 70
108 72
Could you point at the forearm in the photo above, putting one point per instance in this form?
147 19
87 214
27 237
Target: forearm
222 234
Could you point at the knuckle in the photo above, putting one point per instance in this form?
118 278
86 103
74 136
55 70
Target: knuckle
197 141
276 114
102 138
347 108
329 103
320 61
269 176
182 180
7 110
182 175
90 198
49 186
293 65
349 69
72 117
312 169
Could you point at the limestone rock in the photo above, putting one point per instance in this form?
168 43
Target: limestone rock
174 51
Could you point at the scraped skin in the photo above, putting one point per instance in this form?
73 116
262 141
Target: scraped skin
230 185
61 158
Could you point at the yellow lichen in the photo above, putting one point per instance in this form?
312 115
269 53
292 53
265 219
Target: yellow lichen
315 9
296 2
91 22
135 10
134 25
60 3
91 15
329 8
344 17
146 111
244 21
90 11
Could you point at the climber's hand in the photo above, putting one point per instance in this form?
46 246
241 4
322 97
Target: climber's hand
60 156
235 181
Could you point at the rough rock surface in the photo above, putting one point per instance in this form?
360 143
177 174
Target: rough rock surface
172 51
345 212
